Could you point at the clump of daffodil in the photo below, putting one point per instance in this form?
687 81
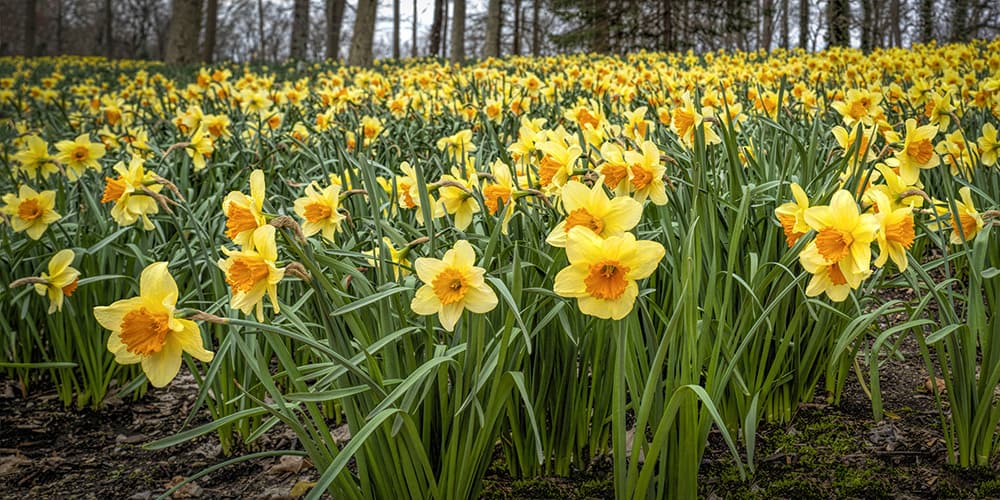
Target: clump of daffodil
60 281
591 208
30 211
144 329
840 254
244 213
792 216
320 209
602 272
78 155
452 284
252 272
126 191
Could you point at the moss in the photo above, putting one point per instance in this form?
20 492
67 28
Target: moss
794 487
989 489
597 488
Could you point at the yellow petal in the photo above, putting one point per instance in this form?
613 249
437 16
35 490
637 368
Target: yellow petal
161 367
157 286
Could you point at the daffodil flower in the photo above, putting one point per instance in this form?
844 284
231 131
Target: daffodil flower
452 285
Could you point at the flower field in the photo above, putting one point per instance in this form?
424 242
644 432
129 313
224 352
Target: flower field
542 261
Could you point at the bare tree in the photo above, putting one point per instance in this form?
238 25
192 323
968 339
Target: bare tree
536 31
211 27
334 20
107 23
959 13
784 25
300 29
516 48
458 32
437 27
182 35
413 42
804 24
491 48
30 27
838 23
395 29
364 32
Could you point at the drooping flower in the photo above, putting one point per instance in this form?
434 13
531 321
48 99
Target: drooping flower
557 163
131 202
602 273
30 211
78 155
591 208
320 209
452 285
251 273
144 329
60 281
792 216
243 213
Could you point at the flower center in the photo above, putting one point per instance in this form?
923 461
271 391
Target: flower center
640 177
836 275
684 121
548 169
834 244
901 232
70 288
29 210
113 189
408 201
144 332
316 212
581 217
240 219
606 280
969 225
788 226
450 286
613 175
585 118
80 153
920 151
494 195
245 273
858 110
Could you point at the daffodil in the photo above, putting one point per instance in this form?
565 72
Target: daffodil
243 213
917 153
400 265
843 236
792 216
251 273
200 147
591 208
35 160
320 209
144 329
895 235
61 280
615 169
686 119
452 285
457 199
126 191
30 211
966 221
499 193
408 194
989 148
602 273
557 163
827 277
78 155
646 174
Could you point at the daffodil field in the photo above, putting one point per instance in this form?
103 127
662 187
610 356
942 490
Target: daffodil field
547 260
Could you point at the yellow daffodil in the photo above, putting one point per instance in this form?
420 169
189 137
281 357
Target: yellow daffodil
200 147
792 216
895 235
615 169
458 145
989 148
602 273
400 265
243 213
557 164
843 236
827 277
35 160
30 211
499 193
60 281
320 209
967 221
590 208
78 155
452 285
144 329
457 199
917 153
126 191
646 174
958 153
251 273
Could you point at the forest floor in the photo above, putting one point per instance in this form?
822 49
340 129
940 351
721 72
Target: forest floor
827 451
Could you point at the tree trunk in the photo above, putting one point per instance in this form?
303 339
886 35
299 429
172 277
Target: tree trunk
960 9
444 30
300 29
599 41
182 35
785 43
492 42
211 23
767 14
364 32
30 27
667 32
334 20
926 20
458 32
436 28
536 29
260 30
839 23
59 27
867 25
395 29
107 23
804 24
413 42
895 18
516 49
